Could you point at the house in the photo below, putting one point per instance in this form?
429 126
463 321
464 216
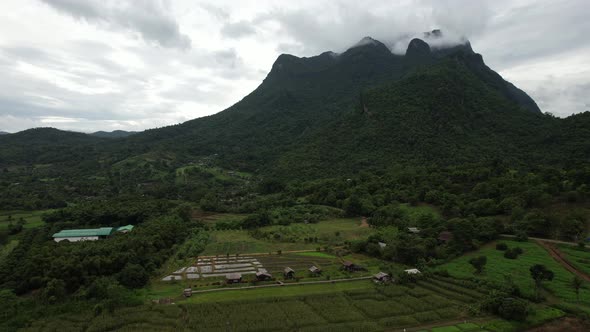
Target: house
445 236
351 267
75 235
314 270
263 276
382 244
289 273
188 292
124 229
381 277
412 271
233 278
414 230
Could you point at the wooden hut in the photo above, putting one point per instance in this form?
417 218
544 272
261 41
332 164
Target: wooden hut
263 276
289 273
381 277
233 278
314 270
351 267
188 292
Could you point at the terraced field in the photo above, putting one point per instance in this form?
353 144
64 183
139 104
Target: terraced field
365 307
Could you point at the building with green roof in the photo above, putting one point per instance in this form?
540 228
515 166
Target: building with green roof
75 235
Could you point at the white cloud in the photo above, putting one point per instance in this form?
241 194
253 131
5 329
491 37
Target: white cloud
110 64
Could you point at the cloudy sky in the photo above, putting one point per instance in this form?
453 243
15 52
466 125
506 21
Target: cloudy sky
90 65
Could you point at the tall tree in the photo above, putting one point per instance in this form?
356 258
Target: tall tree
540 273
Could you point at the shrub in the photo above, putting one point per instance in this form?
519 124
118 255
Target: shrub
511 253
501 246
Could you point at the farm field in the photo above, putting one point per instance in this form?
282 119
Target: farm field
32 218
327 232
580 259
350 306
498 269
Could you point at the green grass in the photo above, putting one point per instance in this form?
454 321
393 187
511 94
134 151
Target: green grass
498 268
351 306
240 241
263 293
316 254
32 218
579 258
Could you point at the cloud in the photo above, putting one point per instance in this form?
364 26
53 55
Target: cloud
237 30
149 18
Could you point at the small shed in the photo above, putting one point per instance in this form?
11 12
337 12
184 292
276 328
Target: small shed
412 271
382 244
315 270
381 277
351 267
233 278
414 230
445 236
188 292
263 276
289 273
124 229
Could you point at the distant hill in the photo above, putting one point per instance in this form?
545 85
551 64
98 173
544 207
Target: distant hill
4 133
113 134
46 145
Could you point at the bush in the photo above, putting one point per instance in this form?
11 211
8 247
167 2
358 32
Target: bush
501 246
512 253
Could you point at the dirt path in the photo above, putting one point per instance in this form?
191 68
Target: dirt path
364 222
281 285
558 256
544 240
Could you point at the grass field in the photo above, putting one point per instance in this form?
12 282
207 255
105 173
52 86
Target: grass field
328 232
578 258
352 306
32 218
498 268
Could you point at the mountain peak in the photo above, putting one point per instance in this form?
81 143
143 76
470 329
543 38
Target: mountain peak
366 41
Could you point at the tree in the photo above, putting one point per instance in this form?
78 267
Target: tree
478 263
133 276
540 273
577 284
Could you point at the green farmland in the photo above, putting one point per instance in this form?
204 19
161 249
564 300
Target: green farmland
32 219
350 306
286 238
500 269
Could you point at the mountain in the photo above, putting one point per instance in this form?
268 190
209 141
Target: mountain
340 113
113 134
300 96
4 133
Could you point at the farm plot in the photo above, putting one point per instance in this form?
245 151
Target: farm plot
579 258
217 267
499 268
275 264
362 307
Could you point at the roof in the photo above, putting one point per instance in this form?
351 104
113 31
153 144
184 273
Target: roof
382 244
103 231
260 273
127 228
347 263
289 270
233 276
314 269
412 271
414 229
381 275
